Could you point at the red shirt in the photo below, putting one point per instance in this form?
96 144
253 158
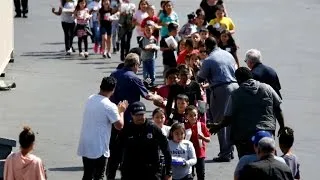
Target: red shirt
182 56
163 91
200 152
155 20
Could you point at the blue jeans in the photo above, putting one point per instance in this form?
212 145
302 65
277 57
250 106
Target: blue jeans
97 35
115 28
149 70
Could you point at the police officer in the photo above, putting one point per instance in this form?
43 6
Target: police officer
140 143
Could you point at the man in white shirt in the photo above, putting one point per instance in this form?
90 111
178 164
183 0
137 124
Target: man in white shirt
99 116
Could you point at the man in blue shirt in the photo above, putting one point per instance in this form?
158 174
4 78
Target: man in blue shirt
262 72
218 69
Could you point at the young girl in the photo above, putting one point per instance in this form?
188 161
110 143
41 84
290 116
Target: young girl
199 137
66 10
105 27
166 17
159 118
227 43
189 28
221 22
94 7
82 16
23 164
183 153
115 6
139 16
200 19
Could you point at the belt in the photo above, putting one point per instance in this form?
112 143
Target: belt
221 84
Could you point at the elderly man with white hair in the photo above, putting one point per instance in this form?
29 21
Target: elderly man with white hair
262 72
267 167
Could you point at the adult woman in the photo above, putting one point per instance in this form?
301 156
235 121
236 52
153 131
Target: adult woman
23 164
209 8
66 11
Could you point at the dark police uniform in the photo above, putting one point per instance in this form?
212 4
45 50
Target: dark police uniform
139 147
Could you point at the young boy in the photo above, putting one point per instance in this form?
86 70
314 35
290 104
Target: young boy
182 102
286 140
221 22
188 50
199 137
152 20
169 58
204 34
149 47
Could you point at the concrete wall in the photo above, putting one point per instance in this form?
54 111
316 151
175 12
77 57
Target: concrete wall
6 43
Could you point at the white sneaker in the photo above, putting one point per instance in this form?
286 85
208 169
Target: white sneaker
109 55
69 52
81 54
86 54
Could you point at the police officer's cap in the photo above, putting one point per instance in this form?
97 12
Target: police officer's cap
137 108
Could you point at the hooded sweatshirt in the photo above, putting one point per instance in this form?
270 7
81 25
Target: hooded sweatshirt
252 109
19 167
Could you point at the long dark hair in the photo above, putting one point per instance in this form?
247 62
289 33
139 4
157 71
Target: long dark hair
231 41
26 137
78 4
142 1
164 8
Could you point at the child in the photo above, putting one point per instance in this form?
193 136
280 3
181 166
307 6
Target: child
171 78
200 19
115 6
181 45
68 24
183 153
199 137
168 55
166 17
148 54
152 20
286 140
204 34
140 15
194 64
125 27
94 7
221 22
227 43
158 116
189 28
23 164
188 49
105 27
196 40
182 102
82 16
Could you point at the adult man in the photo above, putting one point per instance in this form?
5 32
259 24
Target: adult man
18 4
247 159
262 72
99 115
252 107
267 167
218 68
129 87
139 142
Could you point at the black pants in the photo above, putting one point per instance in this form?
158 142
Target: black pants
18 4
200 168
113 161
94 168
68 30
125 44
188 177
144 176
83 39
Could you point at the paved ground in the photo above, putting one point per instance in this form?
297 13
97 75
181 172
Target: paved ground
51 89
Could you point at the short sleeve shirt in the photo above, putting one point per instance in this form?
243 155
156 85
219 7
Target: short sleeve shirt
99 115
139 16
167 19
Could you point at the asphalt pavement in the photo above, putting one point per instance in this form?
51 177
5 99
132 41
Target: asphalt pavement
52 89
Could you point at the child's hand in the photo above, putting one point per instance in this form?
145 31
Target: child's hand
200 136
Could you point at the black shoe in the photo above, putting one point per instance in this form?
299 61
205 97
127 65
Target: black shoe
221 159
25 16
118 46
17 16
73 50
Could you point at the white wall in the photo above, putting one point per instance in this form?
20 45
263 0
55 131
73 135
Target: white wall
6 43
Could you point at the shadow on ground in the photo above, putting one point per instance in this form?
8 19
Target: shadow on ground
67 169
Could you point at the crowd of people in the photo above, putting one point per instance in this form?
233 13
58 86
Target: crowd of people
205 92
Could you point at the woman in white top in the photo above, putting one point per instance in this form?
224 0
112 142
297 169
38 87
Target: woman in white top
66 12
140 15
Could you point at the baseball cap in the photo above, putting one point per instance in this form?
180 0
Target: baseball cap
137 108
259 135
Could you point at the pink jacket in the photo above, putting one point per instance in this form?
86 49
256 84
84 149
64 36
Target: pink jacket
19 167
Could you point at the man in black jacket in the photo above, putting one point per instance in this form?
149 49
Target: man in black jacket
140 143
267 168
262 72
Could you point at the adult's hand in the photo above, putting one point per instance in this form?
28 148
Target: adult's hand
122 106
214 128
167 177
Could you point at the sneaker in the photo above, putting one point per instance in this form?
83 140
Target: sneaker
95 48
86 54
25 16
104 55
109 55
81 54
